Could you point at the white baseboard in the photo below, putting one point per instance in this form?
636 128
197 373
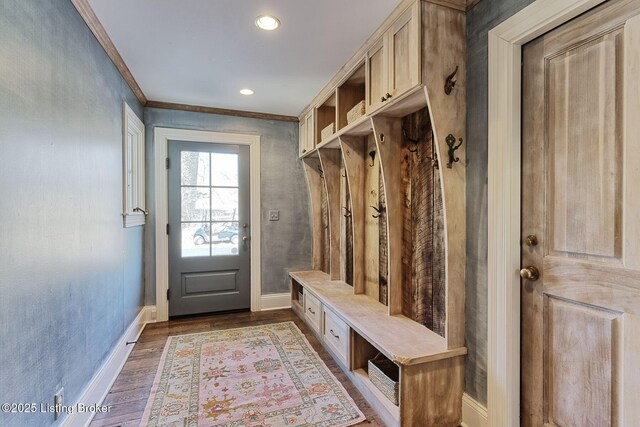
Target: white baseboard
473 413
275 301
100 384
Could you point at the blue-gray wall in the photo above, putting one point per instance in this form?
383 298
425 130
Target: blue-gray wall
286 244
482 18
71 278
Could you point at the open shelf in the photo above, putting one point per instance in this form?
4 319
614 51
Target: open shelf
351 93
325 116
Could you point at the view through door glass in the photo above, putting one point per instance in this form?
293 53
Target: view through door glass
209 257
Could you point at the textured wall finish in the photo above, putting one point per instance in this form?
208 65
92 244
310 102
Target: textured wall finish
482 18
71 278
286 244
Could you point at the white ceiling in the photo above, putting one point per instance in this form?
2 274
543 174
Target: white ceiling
202 52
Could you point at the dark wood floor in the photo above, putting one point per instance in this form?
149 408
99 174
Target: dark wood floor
130 392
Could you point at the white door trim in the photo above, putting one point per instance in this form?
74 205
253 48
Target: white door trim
161 138
505 46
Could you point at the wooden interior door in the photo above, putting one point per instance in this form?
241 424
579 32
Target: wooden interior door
581 222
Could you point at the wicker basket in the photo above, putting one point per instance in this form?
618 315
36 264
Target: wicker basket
300 297
356 112
327 132
384 374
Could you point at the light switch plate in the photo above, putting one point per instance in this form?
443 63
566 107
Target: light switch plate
274 215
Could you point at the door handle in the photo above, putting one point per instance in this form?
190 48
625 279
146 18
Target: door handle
246 238
530 273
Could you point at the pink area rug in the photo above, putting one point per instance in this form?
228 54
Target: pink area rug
260 376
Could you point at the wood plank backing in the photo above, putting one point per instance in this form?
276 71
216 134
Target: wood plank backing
330 159
383 245
372 225
354 154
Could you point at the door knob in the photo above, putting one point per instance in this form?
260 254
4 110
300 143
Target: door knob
530 273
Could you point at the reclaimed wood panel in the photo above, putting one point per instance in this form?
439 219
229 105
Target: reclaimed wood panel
354 154
330 159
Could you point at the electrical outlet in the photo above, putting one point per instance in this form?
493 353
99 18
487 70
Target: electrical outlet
58 401
274 215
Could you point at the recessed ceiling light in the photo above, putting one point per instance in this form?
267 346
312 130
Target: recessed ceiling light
246 92
267 22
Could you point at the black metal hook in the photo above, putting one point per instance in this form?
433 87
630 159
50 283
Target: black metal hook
379 211
321 172
451 143
347 212
372 154
411 140
450 83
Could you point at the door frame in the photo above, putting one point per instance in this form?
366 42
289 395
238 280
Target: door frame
162 136
504 217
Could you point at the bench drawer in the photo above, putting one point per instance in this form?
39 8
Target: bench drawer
336 335
313 311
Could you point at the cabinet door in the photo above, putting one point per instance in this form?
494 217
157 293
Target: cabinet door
404 52
310 129
377 75
302 137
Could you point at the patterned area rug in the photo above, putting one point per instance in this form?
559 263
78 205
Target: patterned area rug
260 376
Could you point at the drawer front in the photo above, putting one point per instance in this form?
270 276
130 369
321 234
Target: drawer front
336 335
313 311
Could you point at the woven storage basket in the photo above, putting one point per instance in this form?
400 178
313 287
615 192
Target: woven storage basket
300 297
356 112
384 374
327 132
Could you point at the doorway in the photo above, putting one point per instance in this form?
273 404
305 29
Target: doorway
209 228
580 290
161 220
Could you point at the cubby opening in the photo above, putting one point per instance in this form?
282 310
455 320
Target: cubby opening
346 228
319 214
326 119
423 251
297 296
351 94
369 216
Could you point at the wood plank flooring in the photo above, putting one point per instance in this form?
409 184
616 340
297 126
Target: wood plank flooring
130 392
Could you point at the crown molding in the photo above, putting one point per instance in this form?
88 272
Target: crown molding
220 111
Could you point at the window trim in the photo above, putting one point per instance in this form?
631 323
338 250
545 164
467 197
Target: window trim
131 124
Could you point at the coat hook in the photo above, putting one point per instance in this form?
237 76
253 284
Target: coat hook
379 212
372 154
411 140
321 172
450 83
451 142
347 212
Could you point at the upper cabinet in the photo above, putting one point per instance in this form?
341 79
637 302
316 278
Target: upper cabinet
393 63
307 134
404 52
385 69
377 83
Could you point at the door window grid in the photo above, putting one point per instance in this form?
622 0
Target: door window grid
207 231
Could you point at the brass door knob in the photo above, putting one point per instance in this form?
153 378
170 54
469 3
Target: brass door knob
530 273
531 240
